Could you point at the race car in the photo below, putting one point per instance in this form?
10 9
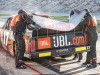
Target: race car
7 38
46 42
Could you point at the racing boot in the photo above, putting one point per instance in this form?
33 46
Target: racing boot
75 56
93 64
20 65
79 61
86 63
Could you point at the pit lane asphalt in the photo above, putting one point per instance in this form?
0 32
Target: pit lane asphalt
2 71
7 66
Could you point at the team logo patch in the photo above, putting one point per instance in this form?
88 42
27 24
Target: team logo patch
44 43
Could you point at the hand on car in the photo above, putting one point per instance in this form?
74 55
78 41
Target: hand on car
37 26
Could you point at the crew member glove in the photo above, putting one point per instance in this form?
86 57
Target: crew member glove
33 23
37 26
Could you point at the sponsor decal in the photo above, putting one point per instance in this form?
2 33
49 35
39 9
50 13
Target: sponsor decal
63 50
62 40
44 43
44 54
59 41
78 40
78 49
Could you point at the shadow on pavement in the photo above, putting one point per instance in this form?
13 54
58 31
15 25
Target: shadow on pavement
70 71
2 71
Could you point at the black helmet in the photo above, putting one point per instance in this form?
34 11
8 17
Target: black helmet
21 11
87 11
71 13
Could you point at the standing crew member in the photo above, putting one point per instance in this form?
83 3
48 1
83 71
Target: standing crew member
19 24
76 55
91 60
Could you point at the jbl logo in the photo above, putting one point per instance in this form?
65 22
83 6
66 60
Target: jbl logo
44 43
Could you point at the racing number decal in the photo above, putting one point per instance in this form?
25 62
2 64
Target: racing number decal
5 37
